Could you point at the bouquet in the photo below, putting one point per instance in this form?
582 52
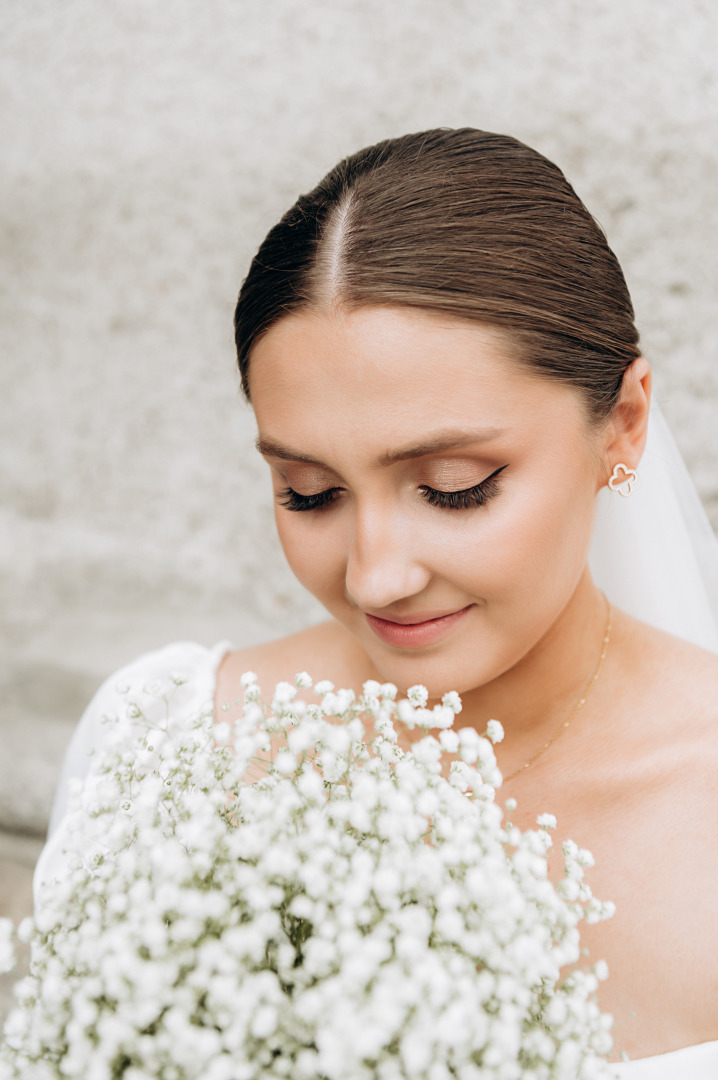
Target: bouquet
357 912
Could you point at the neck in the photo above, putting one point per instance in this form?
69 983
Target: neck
537 694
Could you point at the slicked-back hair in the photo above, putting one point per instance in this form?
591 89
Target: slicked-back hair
464 222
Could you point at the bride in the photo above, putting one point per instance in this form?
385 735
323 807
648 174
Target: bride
440 351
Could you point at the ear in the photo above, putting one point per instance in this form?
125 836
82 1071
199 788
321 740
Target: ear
626 431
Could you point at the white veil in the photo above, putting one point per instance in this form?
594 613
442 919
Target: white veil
655 554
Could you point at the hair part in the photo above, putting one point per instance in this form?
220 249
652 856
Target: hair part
466 223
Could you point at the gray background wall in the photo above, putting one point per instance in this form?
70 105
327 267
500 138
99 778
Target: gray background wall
147 146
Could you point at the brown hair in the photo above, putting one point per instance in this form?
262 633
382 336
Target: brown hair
464 222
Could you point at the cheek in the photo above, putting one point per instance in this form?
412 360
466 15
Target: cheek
532 545
315 549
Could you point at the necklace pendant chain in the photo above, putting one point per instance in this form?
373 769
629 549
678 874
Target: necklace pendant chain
581 702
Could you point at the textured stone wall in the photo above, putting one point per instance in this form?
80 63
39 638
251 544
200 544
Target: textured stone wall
147 146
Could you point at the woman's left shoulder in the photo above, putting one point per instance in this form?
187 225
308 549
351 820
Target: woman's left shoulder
684 664
676 677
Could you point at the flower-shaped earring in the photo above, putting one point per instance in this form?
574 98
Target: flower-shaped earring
623 479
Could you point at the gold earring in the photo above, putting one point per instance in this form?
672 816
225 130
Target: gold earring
623 484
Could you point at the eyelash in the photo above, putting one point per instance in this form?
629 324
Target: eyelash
294 501
478 495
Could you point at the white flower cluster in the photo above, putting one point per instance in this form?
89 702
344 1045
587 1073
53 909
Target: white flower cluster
359 912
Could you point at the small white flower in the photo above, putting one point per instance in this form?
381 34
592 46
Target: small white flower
303 680
407 713
222 733
26 929
495 731
323 687
252 714
458 775
546 821
449 741
597 910
441 717
570 849
470 742
426 751
336 738
452 701
418 695
371 688
569 889
284 692
264 1022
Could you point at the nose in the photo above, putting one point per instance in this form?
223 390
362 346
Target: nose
383 563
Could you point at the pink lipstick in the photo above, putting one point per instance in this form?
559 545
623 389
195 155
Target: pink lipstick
424 629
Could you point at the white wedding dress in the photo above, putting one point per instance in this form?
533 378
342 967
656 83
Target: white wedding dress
655 557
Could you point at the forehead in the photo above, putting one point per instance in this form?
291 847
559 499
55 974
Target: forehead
380 371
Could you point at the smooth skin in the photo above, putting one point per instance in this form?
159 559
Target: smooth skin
382 407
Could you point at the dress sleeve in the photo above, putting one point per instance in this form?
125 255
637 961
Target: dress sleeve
197 664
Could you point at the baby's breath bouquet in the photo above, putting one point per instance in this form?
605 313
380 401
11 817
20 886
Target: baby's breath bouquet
355 912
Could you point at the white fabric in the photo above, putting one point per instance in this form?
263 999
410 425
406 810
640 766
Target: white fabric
654 553
692 1063
655 556
196 662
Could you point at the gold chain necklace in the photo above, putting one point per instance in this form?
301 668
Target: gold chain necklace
577 708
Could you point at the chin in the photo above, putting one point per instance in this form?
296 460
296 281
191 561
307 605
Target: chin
437 669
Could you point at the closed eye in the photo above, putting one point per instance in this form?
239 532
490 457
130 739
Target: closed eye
466 498
294 501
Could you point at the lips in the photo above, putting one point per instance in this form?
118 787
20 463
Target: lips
416 631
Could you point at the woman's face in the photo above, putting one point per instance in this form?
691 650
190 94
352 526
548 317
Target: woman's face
431 492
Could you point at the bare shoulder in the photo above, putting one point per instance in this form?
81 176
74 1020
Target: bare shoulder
676 658
678 680
326 651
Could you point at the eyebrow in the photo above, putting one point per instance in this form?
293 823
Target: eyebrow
442 441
